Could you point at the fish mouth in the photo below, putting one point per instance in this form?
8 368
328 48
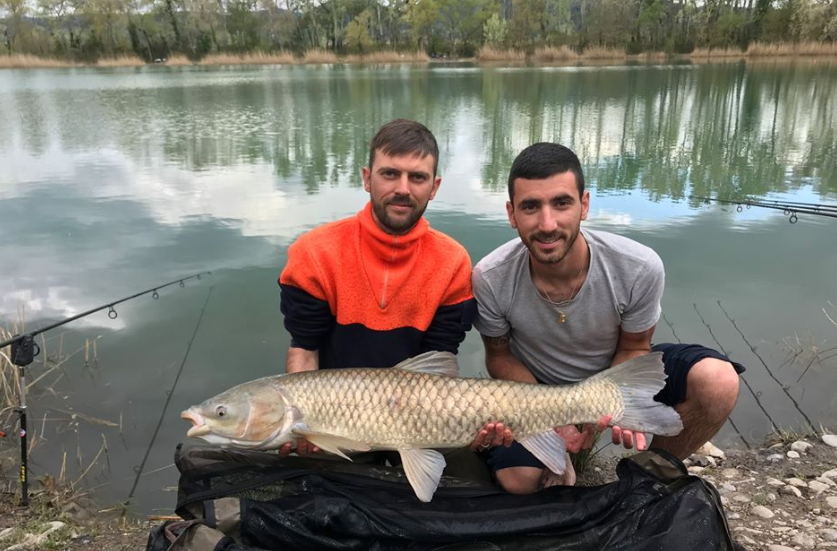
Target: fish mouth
199 426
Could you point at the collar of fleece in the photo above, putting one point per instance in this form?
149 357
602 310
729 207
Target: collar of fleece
387 259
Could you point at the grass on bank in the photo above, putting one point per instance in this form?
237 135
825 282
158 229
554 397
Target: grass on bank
490 53
544 54
320 56
253 58
388 56
761 49
26 61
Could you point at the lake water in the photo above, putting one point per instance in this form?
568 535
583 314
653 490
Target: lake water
116 180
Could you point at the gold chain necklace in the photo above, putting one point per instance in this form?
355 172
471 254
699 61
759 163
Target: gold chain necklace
562 316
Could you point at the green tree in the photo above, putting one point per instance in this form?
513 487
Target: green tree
495 31
527 25
358 39
421 15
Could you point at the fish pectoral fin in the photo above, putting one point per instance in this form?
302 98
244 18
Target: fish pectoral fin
332 443
424 470
435 362
549 448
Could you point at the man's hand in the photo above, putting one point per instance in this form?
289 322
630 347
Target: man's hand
628 438
492 434
576 441
303 448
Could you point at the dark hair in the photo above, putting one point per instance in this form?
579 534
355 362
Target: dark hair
404 137
542 160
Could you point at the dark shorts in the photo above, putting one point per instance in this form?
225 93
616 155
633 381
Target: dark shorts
678 359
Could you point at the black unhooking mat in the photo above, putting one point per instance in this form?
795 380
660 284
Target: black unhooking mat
236 500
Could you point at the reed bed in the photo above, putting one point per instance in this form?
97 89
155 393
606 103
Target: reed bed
320 56
253 58
762 49
602 52
388 56
178 60
652 56
26 61
716 52
551 53
129 60
489 53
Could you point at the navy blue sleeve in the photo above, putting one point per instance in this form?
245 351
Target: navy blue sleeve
449 325
308 319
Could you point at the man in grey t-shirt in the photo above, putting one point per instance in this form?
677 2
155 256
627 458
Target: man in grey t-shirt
561 304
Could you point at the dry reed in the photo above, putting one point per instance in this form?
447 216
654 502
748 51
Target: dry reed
320 56
602 52
551 53
120 61
716 52
388 56
489 53
782 49
178 60
26 61
253 58
653 56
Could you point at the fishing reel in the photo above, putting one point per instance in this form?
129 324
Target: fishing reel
24 350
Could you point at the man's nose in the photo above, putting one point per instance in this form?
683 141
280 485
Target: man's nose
402 185
546 222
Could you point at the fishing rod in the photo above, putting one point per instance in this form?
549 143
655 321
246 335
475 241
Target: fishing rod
789 208
23 352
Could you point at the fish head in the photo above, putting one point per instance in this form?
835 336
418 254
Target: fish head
255 415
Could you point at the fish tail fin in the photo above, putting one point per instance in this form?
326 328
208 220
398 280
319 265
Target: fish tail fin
639 380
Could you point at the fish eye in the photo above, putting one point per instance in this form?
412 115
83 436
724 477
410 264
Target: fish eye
220 411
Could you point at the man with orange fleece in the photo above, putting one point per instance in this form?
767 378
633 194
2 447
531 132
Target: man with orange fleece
379 287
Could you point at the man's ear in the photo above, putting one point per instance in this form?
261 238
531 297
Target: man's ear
585 205
510 212
367 179
436 183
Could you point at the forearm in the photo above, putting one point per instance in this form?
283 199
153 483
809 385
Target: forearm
300 359
632 345
502 364
623 356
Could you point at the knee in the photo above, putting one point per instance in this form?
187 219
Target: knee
713 385
519 480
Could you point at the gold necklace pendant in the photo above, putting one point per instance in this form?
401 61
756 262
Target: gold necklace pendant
563 317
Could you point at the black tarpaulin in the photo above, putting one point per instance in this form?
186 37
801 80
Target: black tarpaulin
255 500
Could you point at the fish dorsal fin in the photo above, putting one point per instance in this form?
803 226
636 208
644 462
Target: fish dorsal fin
549 448
424 470
331 443
435 362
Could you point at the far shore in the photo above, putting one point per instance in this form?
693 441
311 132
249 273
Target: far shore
562 55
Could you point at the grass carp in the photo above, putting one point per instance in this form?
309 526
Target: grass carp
421 404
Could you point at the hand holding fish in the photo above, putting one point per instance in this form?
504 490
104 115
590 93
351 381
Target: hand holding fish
627 438
303 448
584 440
491 435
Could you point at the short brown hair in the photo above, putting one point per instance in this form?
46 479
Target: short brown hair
405 137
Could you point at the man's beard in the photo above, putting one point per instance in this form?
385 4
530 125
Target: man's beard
398 226
553 257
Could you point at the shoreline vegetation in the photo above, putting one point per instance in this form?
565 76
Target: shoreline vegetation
486 54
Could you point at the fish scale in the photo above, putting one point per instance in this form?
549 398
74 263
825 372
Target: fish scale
392 408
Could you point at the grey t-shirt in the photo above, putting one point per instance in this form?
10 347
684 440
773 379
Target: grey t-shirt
623 289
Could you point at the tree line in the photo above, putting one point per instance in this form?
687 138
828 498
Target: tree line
86 30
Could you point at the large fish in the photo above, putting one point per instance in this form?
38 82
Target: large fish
421 404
